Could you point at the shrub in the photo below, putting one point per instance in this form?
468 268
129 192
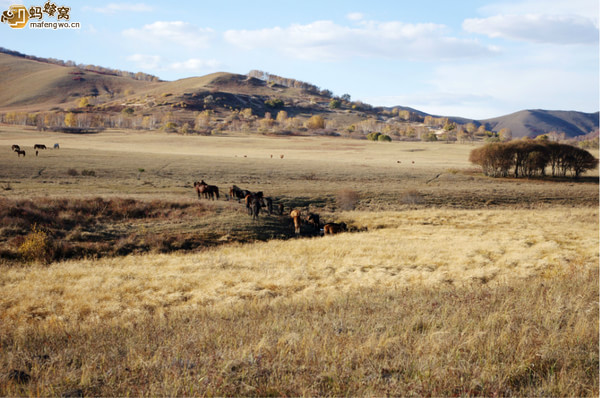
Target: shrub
347 199
274 103
374 136
384 138
412 197
37 246
315 122
335 103
72 172
88 173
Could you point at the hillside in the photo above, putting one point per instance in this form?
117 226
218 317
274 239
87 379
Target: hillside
531 123
32 84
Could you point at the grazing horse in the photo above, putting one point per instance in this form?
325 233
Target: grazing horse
208 191
313 219
334 228
295 214
20 152
255 209
15 148
236 192
39 146
56 146
253 198
269 205
212 191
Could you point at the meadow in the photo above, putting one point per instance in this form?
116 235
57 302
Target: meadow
448 283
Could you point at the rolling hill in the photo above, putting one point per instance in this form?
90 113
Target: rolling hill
531 123
34 85
31 84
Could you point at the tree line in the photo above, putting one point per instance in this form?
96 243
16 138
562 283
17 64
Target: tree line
529 158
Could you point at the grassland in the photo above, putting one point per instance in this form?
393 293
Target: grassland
448 284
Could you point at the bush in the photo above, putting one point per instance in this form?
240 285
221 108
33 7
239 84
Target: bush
274 103
347 199
37 246
88 173
384 138
374 136
315 122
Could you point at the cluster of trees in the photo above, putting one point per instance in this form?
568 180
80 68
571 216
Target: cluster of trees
529 158
284 81
92 68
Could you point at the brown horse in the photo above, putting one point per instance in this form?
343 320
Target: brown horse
254 198
295 214
334 228
313 219
269 205
208 191
255 209
39 146
238 193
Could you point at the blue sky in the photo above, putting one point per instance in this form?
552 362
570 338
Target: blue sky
475 59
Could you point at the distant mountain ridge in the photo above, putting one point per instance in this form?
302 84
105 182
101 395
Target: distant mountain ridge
531 123
34 84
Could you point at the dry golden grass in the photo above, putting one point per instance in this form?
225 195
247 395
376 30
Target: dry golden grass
427 302
449 283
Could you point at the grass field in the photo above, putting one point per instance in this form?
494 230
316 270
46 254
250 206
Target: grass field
448 283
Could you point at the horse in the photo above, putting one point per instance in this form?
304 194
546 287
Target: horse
269 205
15 148
200 188
236 192
313 219
56 146
20 152
208 191
280 206
253 198
212 191
39 146
255 209
334 228
295 214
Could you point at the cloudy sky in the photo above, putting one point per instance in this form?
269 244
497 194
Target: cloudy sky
469 58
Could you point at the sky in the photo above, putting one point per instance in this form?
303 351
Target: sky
476 59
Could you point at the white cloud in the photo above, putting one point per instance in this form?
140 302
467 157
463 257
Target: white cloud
583 8
173 33
113 8
326 40
195 64
556 29
355 16
158 63
145 61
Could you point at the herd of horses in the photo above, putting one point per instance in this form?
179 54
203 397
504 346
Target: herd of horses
37 147
256 201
